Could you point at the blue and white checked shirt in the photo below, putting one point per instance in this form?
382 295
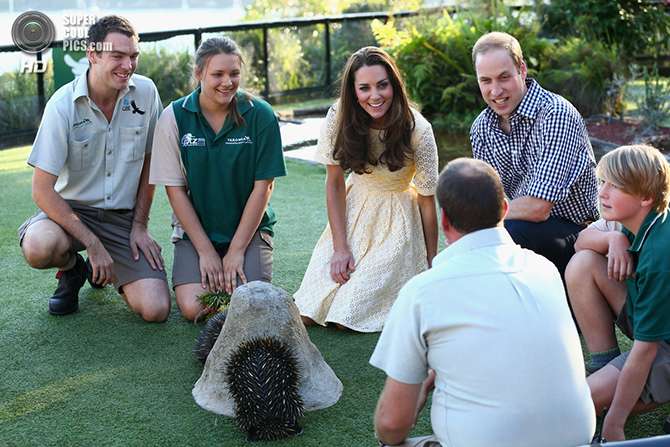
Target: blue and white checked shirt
547 154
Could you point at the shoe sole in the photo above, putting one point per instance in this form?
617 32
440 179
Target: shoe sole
65 312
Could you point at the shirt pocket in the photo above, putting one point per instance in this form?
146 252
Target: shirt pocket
133 142
84 154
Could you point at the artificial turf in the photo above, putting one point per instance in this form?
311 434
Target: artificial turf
102 376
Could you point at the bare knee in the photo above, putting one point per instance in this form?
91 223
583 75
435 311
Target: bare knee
603 385
307 321
150 298
187 300
45 245
156 314
37 256
582 263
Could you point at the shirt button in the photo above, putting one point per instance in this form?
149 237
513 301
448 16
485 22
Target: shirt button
109 198
109 152
109 174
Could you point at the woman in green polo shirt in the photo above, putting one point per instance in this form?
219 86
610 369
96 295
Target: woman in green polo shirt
217 151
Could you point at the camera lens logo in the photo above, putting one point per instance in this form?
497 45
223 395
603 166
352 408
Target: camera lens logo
33 31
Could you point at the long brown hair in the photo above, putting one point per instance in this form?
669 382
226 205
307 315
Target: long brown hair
212 47
352 150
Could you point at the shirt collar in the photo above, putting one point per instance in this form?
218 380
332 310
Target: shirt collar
475 240
81 87
641 236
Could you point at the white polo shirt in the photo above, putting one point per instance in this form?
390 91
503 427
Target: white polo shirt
98 163
492 321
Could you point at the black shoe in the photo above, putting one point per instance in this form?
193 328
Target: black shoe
65 299
666 425
89 275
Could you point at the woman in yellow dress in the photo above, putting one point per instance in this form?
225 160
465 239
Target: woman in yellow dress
382 220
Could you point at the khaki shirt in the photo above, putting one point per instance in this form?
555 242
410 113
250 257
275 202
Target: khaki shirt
98 163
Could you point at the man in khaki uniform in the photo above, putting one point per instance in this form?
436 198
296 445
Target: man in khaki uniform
91 158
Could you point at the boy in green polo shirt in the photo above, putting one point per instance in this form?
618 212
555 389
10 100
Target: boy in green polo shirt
635 193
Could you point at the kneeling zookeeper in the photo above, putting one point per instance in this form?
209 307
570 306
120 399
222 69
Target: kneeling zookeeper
91 158
218 151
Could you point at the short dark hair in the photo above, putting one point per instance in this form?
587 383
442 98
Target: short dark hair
109 24
471 195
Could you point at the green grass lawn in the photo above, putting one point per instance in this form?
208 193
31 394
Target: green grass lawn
102 376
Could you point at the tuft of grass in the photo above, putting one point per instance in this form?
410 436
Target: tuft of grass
103 376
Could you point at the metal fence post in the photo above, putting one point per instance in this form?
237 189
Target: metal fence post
266 68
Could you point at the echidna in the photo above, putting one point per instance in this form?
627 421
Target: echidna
208 336
262 376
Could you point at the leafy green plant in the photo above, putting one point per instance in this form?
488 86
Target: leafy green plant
214 303
653 102
637 26
433 52
19 104
169 69
583 72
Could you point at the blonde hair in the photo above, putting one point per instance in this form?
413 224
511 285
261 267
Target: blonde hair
497 40
639 170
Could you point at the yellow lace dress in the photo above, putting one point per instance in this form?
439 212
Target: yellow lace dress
384 233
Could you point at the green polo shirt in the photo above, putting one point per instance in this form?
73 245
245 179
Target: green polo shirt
221 168
648 297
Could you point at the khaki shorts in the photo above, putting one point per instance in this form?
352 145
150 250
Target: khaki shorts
257 260
657 388
113 230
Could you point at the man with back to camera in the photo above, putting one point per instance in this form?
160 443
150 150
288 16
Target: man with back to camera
91 158
537 142
488 327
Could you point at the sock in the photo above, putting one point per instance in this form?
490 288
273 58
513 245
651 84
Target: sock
604 357
70 263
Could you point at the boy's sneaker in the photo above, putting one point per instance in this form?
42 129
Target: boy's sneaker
89 275
65 299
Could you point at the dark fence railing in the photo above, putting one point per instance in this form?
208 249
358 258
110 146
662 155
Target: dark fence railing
266 92
249 26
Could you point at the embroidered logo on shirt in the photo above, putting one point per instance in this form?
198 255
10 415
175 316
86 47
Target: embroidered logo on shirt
126 107
135 108
189 140
243 140
84 122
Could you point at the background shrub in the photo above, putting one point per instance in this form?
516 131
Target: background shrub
169 69
582 72
638 27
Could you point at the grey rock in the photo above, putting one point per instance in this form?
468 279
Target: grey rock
258 309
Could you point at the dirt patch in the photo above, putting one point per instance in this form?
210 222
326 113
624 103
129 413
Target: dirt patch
628 132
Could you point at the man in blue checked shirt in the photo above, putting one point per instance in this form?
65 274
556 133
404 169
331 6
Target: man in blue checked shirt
538 144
